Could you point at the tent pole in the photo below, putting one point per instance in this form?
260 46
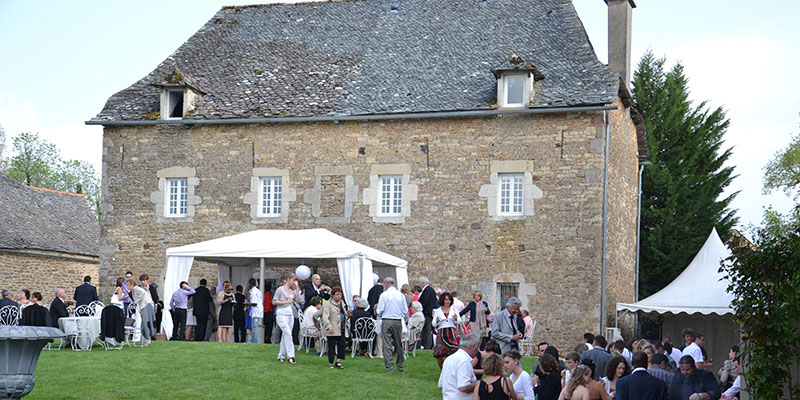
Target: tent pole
261 286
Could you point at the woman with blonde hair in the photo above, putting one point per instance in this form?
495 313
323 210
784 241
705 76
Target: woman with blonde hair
576 388
519 377
495 386
225 299
477 310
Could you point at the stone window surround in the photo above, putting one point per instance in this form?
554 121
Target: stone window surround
160 197
288 195
313 195
490 191
373 192
527 93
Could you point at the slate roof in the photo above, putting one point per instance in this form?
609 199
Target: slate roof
46 220
362 57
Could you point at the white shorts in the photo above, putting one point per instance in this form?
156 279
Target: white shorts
190 319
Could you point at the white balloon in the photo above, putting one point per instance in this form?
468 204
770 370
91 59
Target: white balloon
302 272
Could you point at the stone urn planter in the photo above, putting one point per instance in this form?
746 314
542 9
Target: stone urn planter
20 347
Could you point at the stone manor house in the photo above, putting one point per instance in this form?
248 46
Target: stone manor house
481 140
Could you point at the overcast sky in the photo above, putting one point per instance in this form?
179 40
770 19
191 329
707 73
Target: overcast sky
62 60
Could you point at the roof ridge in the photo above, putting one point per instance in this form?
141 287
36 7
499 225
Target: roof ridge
58 191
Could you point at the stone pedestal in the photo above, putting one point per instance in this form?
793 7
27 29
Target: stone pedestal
21 346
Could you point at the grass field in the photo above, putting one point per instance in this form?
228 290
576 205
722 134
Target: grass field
188 370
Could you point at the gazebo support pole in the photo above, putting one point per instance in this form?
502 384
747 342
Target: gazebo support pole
261 286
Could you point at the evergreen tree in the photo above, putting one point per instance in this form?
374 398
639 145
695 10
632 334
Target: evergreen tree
681 191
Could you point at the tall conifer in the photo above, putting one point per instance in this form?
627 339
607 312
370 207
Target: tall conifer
682 190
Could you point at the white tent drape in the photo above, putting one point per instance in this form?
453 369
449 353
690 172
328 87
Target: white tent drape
402 277
350 277
366 277
241 274
177 270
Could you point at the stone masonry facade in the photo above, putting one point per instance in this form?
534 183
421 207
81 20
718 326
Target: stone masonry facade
44 271
448 234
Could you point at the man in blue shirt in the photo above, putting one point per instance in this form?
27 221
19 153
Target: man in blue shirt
177 306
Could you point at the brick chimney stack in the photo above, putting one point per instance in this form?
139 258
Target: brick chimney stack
619 38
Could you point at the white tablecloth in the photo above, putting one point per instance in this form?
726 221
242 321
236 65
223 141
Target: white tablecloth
71 326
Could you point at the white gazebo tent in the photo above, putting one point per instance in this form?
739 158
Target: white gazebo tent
238 255
697 299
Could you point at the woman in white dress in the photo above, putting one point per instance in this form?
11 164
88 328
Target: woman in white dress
284 317
523 386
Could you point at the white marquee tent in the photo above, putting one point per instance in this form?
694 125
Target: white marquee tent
238 256
697 299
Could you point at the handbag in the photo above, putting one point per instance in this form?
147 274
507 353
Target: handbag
115 299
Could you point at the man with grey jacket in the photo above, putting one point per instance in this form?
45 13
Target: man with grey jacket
505 329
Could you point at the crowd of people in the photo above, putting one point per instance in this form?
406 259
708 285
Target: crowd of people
478 352
595 369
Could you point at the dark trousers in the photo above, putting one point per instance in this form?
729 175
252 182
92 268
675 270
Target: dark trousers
296 332
335 343
179 321
200 329
159 310
239 333
269 321
427 337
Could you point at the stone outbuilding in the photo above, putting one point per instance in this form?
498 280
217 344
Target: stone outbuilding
482 141
48 239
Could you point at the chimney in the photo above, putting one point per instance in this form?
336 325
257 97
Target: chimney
619 38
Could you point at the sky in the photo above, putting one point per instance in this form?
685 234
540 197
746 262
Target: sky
62 60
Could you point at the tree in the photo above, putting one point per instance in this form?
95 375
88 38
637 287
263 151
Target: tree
38 163
35 161
783 171
681 191
2 148
764 280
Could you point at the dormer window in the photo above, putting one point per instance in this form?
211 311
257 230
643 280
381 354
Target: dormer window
514 87
175 103
515 79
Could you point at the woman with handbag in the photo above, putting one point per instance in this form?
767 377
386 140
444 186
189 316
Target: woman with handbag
333 323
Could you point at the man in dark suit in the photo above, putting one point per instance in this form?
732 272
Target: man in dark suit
692 383
428 300
640 384
202 308
315 288
6 301
86 293
374 295
598 355
58 308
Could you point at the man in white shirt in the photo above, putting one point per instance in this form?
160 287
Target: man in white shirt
457 378
256 310
695 351
392 311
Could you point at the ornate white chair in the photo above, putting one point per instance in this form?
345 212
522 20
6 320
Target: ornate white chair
364 333
526 345
84 311
97 307
410 340
306 337
10 315
133 334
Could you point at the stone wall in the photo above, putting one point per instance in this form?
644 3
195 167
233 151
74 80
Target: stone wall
44 271
554 255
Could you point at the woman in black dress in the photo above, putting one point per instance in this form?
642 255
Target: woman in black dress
226 300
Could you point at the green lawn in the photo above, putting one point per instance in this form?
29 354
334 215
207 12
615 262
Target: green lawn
187 370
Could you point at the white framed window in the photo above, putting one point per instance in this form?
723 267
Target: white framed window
391 195
270 196
177 195
175 103
510 194
514 89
